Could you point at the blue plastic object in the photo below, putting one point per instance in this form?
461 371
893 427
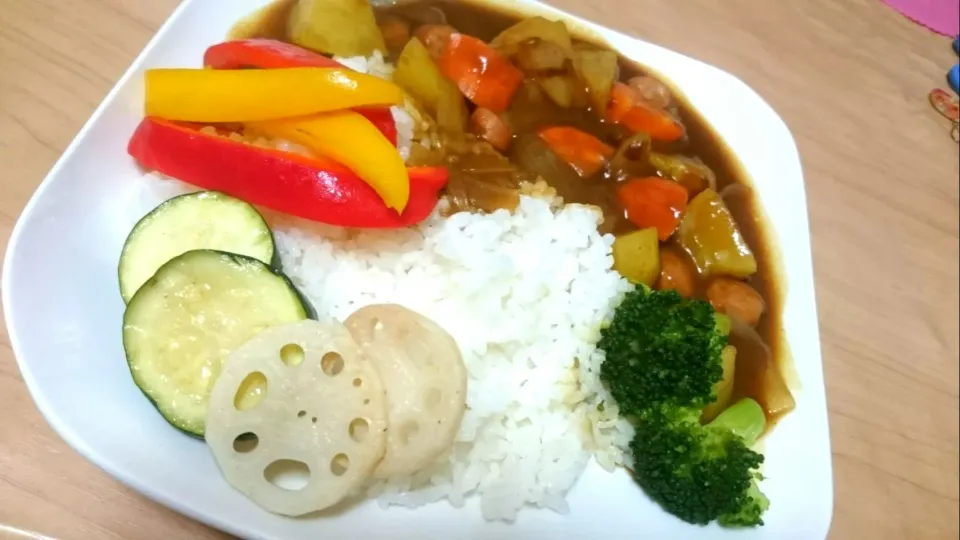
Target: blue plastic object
953 76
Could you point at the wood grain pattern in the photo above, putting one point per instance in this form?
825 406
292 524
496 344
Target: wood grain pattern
849 78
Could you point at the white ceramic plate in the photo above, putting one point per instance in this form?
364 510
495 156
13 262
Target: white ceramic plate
64 314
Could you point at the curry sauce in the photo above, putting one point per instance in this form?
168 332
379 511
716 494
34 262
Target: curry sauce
485 178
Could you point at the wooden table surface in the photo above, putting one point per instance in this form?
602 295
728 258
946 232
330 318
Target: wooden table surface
849 77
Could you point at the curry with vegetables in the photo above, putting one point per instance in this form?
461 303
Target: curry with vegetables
510 102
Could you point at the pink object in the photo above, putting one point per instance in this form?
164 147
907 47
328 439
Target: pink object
941 16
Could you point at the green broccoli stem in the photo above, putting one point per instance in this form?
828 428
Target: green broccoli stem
744 419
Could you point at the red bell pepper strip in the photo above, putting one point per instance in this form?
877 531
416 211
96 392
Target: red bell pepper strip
382 119
483 75
314 188
273 54
626 109
653 202
263 54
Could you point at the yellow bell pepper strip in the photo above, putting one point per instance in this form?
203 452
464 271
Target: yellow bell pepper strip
249 95
273 54
350 139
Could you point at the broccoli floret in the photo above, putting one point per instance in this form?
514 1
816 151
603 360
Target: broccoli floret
663 361
661 350
701 473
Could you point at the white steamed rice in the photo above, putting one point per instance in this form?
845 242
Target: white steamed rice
523 294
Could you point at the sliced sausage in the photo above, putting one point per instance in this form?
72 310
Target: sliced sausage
676 273
736 299
396 32
651 91
435 37
491 128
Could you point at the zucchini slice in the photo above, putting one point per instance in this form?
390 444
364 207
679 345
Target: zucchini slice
201 220
183 322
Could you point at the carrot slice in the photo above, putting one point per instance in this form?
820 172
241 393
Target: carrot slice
483 75
622 99
582 151
653 202
625 109
659 125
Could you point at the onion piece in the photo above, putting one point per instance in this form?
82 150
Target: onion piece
632 157
691 173
598 71
559 89
539 55
509 41
533 155
758 375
